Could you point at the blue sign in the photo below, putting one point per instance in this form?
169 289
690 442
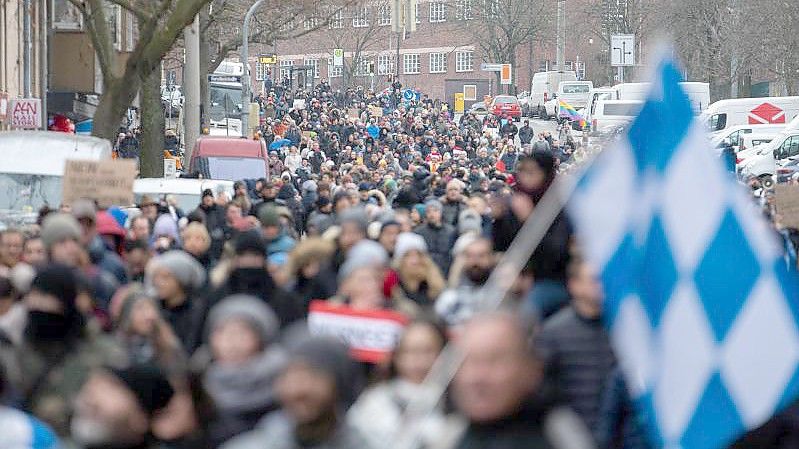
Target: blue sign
408 94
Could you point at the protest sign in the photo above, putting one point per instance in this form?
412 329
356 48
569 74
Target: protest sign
109 182
787 197
309 134
371 335
376 111
299 104
170 168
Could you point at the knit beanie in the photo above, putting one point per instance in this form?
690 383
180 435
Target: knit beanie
366 253
355 215
408 241
250 242
186 269
269 216
330 356
59 227
470 221
59 281
148 383
250 309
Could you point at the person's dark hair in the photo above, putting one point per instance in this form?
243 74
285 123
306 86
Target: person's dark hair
6 288
423 320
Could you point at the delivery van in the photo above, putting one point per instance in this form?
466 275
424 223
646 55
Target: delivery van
614 112
32 169
698 93
229 159
749 111
544 87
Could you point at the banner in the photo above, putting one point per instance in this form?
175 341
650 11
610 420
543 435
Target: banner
371 335
109 182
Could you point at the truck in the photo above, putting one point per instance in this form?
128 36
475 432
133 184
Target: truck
230 159
32 170
544 87
742 111
227 105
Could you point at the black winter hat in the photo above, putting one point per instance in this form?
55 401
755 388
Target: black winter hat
250 242
60 281
148 383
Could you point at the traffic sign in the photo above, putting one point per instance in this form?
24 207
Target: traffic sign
490 67
338 57
408 95
267 59
26 113
622 50
505 74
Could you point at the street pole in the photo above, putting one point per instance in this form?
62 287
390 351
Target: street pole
561 37
191 82
44 60
245 55
27 49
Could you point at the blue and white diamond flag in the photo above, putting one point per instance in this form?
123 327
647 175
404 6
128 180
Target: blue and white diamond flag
700 308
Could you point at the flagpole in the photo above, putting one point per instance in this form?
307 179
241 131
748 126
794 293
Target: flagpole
491 296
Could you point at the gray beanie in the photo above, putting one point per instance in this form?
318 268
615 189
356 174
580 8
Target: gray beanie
433 203
250 309
366 253
186 269
355 215
408 241
59 227
470 221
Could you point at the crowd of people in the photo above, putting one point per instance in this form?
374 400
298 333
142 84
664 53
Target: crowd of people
158 327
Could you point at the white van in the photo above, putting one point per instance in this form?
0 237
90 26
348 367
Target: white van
544 87
614 112
764 163
595 96
698 93
32 169
734 133
188 192
741 111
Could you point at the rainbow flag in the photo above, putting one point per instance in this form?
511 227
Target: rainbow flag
568 111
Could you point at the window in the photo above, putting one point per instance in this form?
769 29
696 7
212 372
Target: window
438 62
464 61
362 67
285 69
416 11
384 14
337 20
463 10
411 64
333 71
491 8
287 26
385 64
717 122
568 65
130 38
438 11
310 23
314 62
544 66
261 71
360 19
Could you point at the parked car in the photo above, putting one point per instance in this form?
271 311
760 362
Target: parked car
479 109
506 106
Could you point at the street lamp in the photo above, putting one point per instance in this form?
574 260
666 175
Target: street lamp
245 54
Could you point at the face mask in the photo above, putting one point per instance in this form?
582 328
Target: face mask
47 326
477 275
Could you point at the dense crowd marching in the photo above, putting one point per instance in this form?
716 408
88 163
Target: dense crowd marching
158 327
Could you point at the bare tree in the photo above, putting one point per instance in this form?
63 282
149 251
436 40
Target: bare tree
501 27
160 22
358 29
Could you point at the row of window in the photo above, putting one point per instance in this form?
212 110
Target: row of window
384 65
464 10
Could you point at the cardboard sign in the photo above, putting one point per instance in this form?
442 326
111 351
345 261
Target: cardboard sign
371 335
787 197
299 104
170 168
376 111
26 113
309 134
109 182
353 113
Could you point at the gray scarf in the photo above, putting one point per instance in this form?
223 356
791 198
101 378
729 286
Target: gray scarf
248 386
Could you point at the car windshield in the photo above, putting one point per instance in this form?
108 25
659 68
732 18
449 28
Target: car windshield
232 168
28 193
576 88
225 102
623 109
505 100
186 201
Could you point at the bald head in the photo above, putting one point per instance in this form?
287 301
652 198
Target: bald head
499 371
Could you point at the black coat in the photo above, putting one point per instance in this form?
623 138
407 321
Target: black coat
523 430
439 240
257 282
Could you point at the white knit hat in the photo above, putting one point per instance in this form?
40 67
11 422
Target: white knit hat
408 241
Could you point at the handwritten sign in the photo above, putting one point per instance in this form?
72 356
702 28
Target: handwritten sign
376 111
787 197
371 335
108 182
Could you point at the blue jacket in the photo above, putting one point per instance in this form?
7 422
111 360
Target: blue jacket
21 430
